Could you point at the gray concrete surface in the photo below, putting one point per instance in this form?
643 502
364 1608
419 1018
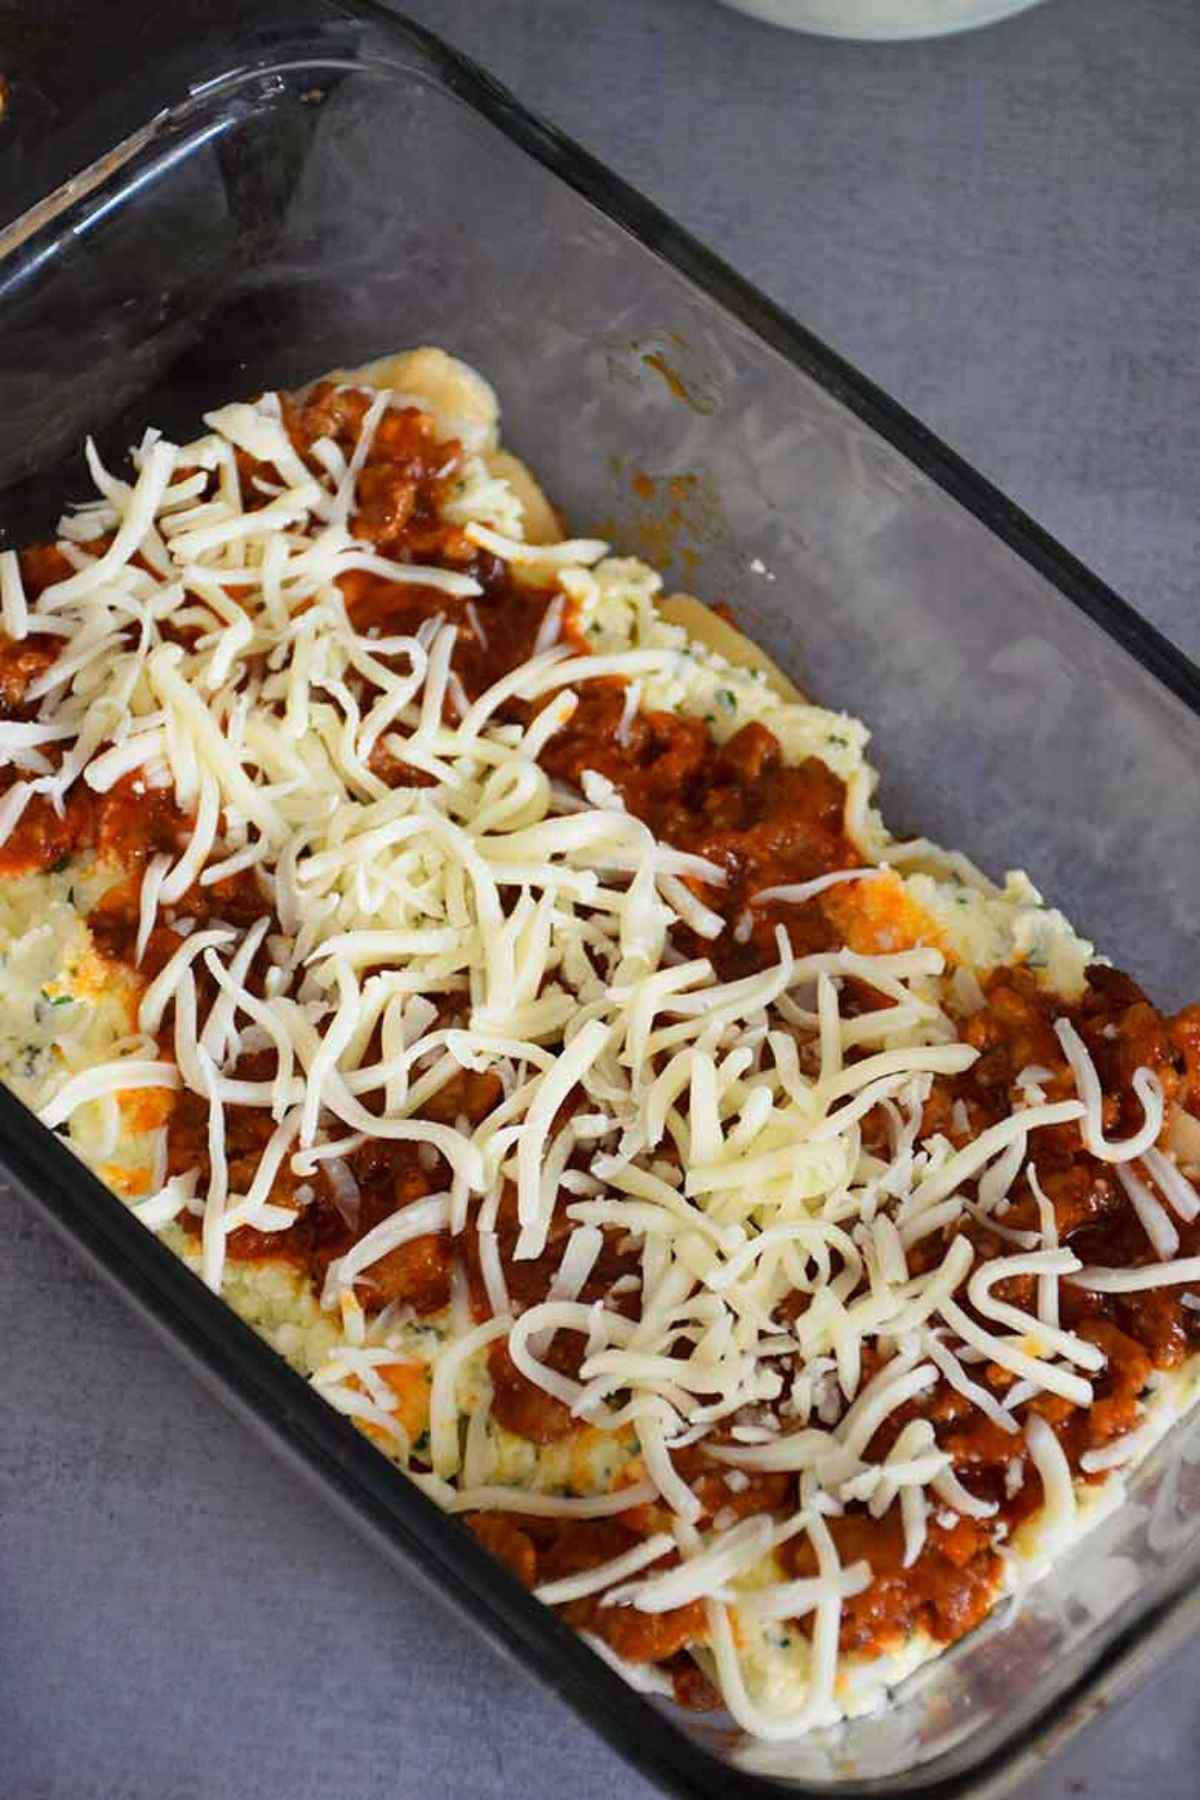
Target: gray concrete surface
1004 231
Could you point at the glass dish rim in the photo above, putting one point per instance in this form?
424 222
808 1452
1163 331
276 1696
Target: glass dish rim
385 1506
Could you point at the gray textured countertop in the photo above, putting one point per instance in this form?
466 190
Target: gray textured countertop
1005 232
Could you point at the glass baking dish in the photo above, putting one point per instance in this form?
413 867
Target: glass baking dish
285 203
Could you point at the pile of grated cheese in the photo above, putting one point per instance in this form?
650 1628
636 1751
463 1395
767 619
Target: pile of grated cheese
723 1119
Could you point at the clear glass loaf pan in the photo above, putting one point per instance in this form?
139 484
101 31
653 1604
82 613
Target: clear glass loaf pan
286 203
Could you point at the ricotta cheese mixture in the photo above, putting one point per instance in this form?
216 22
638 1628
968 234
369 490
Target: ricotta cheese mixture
494 979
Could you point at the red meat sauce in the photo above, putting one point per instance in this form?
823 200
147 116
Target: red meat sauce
763 824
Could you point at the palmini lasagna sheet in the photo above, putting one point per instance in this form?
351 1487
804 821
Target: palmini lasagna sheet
771 1238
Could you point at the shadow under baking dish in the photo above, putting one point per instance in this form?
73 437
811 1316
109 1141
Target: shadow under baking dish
282 204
